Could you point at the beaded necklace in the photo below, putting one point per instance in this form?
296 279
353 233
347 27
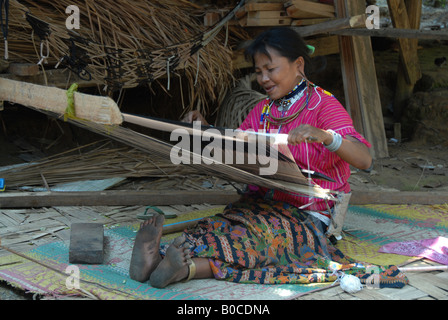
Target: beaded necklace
286 102
283 106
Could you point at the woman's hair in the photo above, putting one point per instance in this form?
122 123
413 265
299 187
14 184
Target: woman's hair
287 42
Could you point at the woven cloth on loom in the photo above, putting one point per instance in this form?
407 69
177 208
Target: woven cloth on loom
371 227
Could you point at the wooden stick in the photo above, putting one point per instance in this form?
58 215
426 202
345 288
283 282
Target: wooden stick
332 25
112 198
98 109
424 269
179 226
399 197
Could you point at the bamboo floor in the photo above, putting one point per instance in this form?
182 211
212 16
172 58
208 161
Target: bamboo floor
23 229
422 286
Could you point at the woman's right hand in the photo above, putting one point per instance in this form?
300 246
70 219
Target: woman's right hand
194 115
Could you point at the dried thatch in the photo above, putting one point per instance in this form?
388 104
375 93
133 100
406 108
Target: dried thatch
101 162
237 104
124 44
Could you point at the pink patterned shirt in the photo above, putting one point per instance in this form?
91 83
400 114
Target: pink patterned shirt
325 112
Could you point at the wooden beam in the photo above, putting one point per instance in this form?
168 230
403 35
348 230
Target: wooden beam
324 45
405 83
332 25
394 33
114 198
360 82
272 6
398 197
307 9
408 49
164 198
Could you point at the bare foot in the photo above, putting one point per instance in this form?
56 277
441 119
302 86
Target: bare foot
145 254
174 267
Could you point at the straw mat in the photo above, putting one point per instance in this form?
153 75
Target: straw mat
370 227
43 270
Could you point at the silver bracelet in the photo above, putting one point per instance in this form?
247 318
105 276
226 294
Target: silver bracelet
336 143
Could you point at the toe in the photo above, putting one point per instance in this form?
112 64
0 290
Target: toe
159 219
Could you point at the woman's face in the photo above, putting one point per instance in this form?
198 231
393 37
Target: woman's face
277 75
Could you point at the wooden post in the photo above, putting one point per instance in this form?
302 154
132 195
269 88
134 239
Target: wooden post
406 15
360 82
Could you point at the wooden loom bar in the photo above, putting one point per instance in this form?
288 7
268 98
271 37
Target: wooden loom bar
164 150
98 109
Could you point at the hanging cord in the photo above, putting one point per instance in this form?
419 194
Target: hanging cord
5 24
44 57
168 72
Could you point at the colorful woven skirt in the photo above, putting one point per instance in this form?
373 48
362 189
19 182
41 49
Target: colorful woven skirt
270 242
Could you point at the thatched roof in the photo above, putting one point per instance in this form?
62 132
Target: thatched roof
125 44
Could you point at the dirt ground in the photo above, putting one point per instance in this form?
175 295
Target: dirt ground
409 167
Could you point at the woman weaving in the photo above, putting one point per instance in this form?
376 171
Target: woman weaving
265 237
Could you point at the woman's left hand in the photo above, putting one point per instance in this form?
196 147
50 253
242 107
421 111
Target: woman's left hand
308 133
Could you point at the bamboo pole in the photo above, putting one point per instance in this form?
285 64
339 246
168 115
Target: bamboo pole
424 269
